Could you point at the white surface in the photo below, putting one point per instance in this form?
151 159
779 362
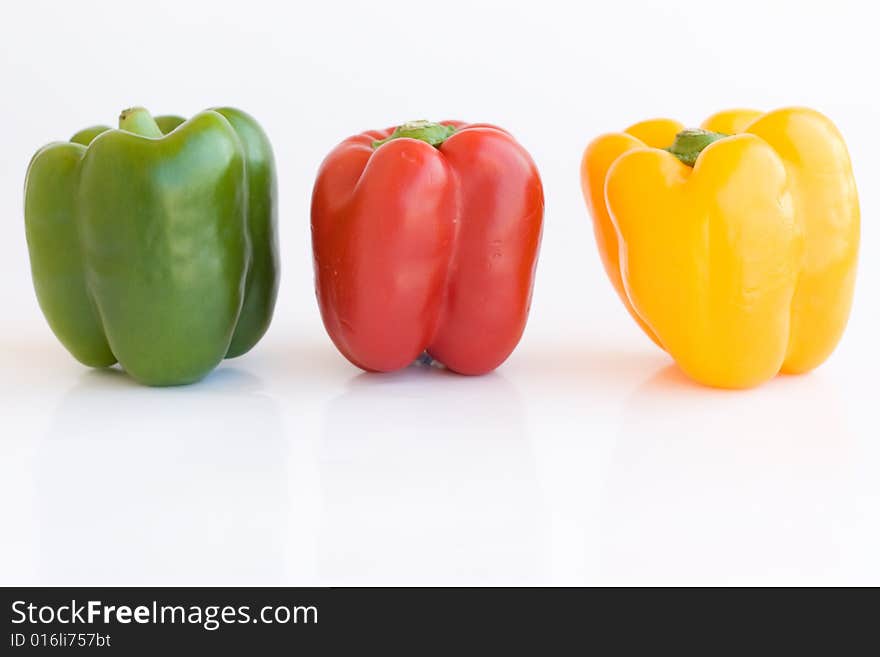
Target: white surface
585 459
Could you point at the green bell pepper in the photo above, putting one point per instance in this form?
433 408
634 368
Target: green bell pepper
155 245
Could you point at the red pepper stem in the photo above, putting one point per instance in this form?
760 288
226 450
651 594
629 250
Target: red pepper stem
431 133
139 121
689 144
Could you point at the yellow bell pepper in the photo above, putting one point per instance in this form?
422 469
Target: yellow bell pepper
734 246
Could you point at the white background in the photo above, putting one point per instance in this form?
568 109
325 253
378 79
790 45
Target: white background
585 459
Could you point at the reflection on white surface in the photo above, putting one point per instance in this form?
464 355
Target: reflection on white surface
159 486
429 477
710 486
565 467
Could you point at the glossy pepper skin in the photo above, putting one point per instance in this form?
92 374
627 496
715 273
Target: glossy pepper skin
154 245
425 239
741 265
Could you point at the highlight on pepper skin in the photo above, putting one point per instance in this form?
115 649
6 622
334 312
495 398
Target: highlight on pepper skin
425 240
733 246
155 244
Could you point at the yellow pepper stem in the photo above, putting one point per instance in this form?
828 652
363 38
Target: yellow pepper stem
690 143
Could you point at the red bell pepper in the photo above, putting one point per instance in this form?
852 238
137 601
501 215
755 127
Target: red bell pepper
425 240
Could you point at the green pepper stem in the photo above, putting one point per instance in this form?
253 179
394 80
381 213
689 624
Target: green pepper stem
431 133
689 144
139 121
